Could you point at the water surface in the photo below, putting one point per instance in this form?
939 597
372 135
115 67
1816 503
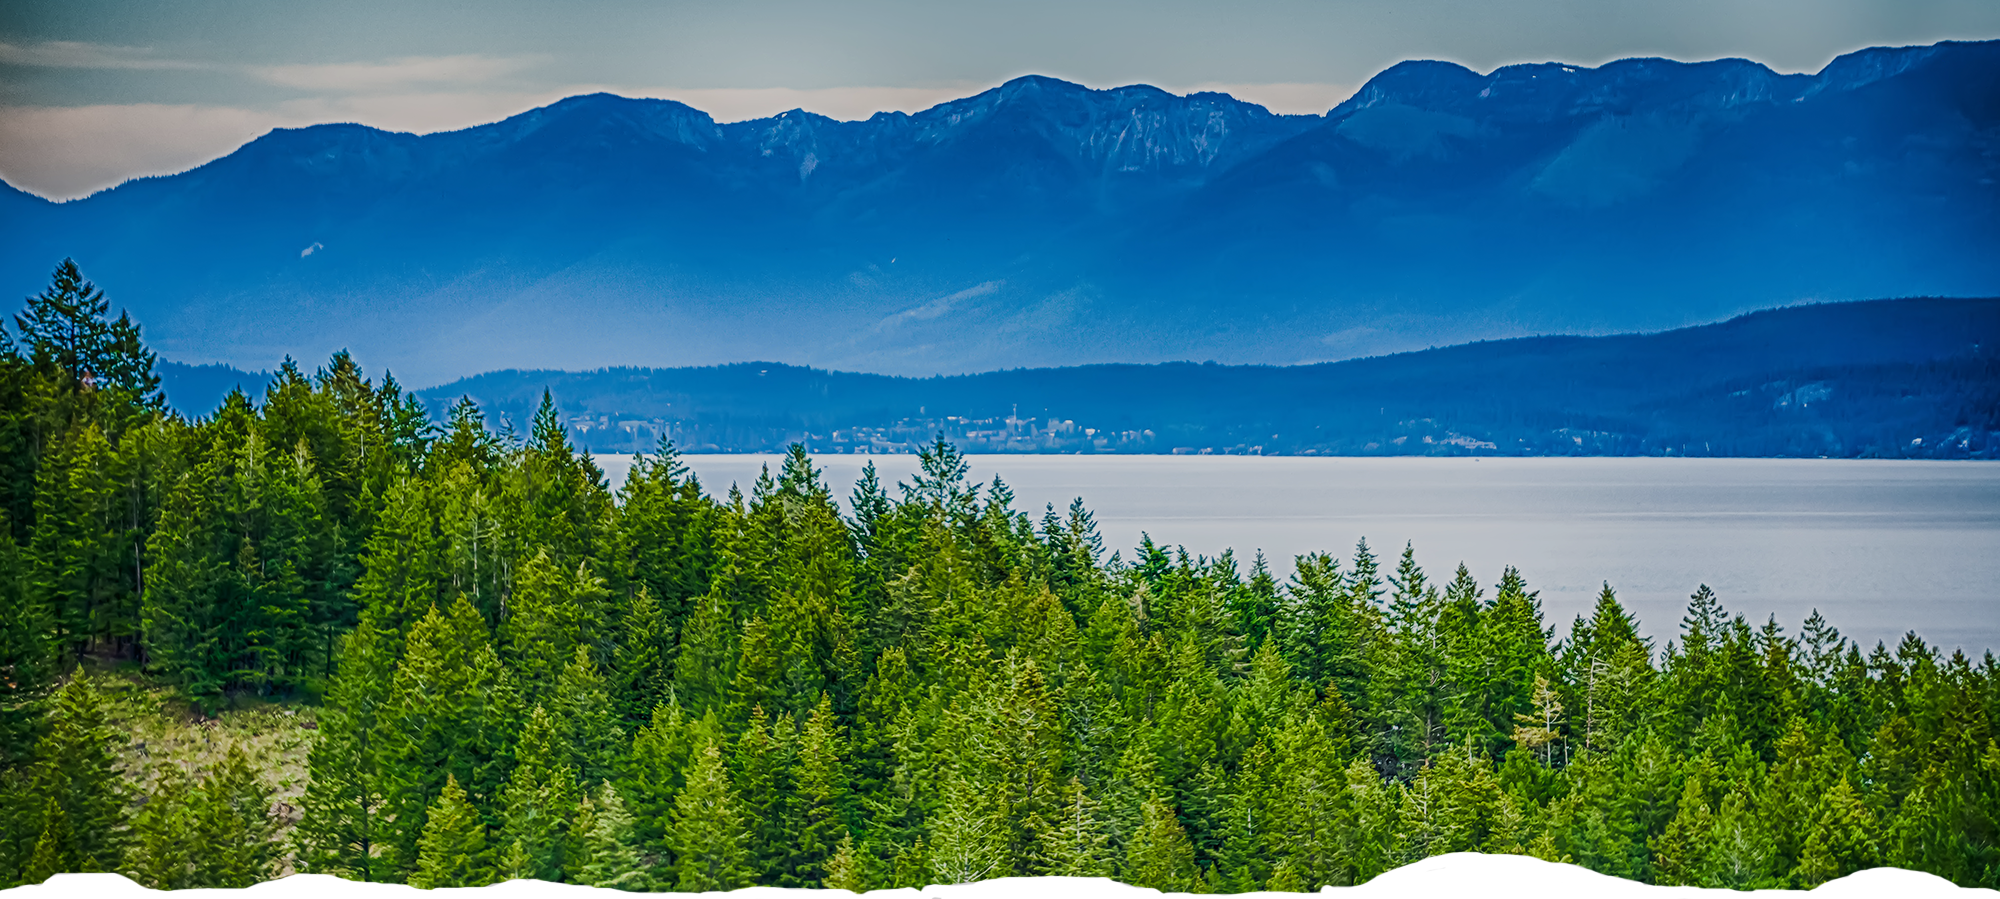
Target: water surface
1879 547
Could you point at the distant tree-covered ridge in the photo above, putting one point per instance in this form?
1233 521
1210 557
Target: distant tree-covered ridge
520 672
1910 378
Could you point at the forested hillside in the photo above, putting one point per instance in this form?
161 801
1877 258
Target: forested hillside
521 673
1916 377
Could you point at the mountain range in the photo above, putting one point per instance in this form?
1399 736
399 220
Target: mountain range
1898 378
1042 223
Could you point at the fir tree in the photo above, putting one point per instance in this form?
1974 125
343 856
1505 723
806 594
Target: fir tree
82 826
822 787
1077 844
435 723
707 833
340 828
611 854
1159 854
1841 840
540 796
162 855
844 871
234 827
452 852
27 657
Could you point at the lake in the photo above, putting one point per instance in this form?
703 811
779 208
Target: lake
1879 547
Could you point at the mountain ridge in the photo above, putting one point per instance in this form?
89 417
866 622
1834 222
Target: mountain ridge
1914 377
1042 223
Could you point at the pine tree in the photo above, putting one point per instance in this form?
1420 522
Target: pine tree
665 537
642 675
452 852
1540 730
822 783
540 796
1077 844
65 329
967 844
845 871
612 847
1841 840
162 854
763 768
1159 854
1684 853
55 848
705 665
27 657
707 834
1610 668
82 826
340 828
1741 852
405 560
583 713
549 619
435 723
234 827
73 549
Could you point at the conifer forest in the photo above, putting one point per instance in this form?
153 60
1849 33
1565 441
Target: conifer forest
517 672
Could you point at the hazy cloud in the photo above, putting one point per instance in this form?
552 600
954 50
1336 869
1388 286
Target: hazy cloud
68 152
844 103
85 55
939 306
395 74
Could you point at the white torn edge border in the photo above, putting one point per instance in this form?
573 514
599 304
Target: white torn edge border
1447 878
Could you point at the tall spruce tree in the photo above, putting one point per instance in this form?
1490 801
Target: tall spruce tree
27 659
82 825
341 826
707 834
452 851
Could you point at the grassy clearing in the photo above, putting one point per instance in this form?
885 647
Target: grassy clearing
161 730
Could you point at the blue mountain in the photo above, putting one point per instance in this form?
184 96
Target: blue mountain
1042 223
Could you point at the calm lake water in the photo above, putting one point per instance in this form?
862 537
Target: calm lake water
1879 547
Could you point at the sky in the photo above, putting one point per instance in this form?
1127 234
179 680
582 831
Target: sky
93 92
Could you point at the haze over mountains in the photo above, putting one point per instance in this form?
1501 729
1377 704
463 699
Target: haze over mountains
1042 223
1911 378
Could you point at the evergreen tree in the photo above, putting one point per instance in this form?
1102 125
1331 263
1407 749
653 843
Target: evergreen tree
1159 854
550 619
611 856
1077 844
162 855
707 834
27 658
582 711
664 536
340 828
234 827
642 672
844 870
452 852
435 723
822 781
937 689
763 769
1841 841
538 800
82 826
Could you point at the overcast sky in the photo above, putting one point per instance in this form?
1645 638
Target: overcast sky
96 91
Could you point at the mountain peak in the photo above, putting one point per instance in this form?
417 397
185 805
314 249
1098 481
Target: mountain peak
1044 222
